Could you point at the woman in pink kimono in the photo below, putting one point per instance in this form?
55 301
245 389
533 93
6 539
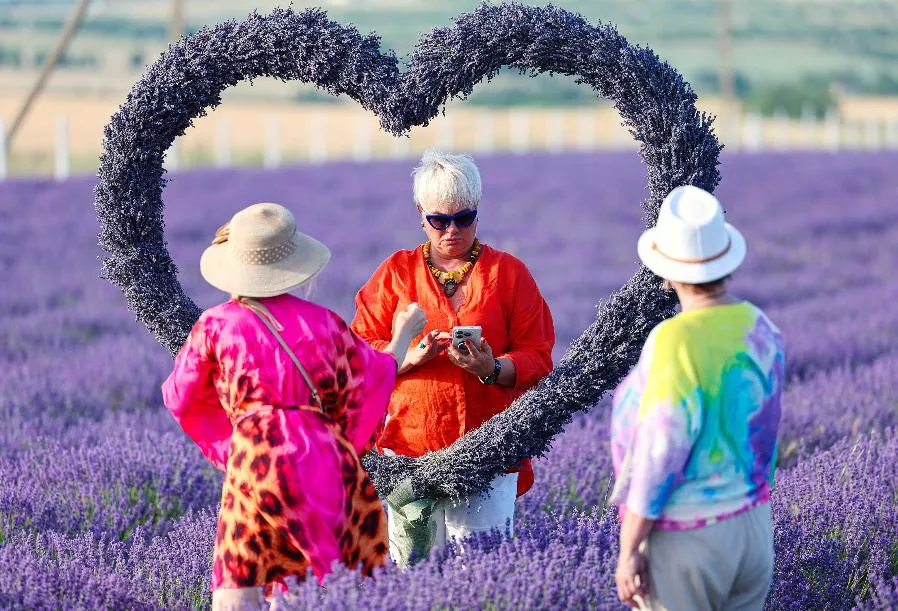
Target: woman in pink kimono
280 395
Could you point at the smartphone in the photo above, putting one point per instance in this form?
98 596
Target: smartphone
460 334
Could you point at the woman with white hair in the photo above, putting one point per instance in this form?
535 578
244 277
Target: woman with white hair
694 427
443 391
280 395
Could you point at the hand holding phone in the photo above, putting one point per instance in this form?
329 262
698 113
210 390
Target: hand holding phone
477 357
463 333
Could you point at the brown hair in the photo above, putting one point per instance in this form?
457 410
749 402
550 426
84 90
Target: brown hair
708 288
715 286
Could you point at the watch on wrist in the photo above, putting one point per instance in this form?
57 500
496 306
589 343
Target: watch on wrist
494 376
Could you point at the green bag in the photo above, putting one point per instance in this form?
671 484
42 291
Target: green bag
414 528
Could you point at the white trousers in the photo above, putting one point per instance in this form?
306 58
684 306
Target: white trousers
493 508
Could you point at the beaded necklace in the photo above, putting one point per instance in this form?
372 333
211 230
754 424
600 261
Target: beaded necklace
451 280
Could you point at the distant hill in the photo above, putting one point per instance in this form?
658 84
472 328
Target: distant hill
790 55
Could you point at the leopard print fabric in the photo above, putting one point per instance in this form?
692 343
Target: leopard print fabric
295 497
262 536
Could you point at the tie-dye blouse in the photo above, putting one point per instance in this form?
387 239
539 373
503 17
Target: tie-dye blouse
694 425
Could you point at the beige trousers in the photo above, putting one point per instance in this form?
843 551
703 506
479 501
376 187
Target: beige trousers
726 566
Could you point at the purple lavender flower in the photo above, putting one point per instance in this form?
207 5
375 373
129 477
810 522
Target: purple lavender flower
88 456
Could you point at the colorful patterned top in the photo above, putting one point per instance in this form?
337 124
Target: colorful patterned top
295 495
694 425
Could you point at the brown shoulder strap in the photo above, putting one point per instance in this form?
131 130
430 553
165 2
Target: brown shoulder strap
266 317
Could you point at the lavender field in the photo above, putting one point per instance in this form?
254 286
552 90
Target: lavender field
104 502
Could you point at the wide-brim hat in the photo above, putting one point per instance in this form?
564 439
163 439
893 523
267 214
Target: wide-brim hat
260 253
691 242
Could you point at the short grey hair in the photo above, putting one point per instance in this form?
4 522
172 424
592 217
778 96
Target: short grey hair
447 177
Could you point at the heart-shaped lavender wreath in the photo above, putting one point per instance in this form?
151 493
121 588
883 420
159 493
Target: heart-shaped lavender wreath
678 147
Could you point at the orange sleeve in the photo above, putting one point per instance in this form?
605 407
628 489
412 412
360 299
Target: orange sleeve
531 333
375 304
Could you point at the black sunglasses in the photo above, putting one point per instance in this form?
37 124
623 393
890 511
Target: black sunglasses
462 219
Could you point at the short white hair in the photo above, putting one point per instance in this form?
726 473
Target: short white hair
447 177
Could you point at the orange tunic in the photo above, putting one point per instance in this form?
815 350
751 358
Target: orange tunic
436 403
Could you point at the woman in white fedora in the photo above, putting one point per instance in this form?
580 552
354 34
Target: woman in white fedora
283 397
694 427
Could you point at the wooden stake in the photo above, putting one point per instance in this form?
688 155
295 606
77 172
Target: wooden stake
65 37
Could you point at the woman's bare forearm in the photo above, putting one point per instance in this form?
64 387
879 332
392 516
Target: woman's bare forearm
507 375
633 532
398 347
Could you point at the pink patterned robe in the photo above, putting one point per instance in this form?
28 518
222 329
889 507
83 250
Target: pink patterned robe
295 495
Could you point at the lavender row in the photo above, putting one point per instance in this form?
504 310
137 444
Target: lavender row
845 496
834 519
44 444
106 489
80 376
120 372
573 218
837 405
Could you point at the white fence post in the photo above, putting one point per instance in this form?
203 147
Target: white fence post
586 130
555 132
401 147
753 132
832 130
851 135
61 167
173 157
223 144
272 155
318 138
732 129
621 135
4 172
486 141
520 131
781 127
892 134
808 123
871 133
444 133
361 149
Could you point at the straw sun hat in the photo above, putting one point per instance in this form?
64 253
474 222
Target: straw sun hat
691 242
262 254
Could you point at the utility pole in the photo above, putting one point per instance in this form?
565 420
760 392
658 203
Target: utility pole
65 37
175 31
176 27
725 54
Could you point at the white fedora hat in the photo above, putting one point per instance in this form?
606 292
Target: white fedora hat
691 242
262 254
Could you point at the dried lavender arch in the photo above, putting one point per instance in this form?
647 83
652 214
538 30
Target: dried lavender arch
677 145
